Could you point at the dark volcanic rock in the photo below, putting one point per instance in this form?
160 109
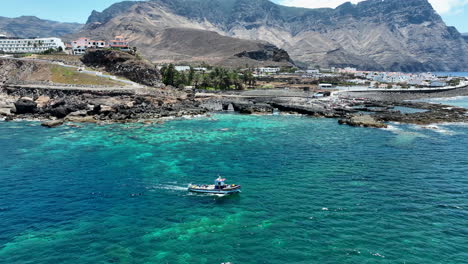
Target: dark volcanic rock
24 106
252 108
64 107
269 53
124 64
362 121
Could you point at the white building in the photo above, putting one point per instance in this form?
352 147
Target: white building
182 68
313 71
80 45
325 86
33 45
269 70
200 69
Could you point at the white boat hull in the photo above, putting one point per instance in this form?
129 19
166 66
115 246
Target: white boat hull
237 189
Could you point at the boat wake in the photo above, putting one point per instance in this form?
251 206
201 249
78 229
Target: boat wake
169 187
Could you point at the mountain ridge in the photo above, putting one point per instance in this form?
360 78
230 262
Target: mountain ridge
392 35
32 26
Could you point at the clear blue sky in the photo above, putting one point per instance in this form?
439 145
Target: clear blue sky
78 11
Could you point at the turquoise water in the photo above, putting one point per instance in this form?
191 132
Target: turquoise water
459 101
409 110
314 192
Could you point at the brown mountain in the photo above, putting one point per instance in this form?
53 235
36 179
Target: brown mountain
165 37
30 26
400 35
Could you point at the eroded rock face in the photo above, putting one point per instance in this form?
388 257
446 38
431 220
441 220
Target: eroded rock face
124 64
42 101
25 106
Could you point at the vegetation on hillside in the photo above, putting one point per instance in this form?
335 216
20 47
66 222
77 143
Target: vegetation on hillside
64 75
216 79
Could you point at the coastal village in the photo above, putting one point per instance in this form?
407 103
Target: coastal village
268 77
87 64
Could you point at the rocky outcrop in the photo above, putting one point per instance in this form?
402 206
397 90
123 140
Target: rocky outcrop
12 71
252 107
362 121
90 107
268 53
124 64
52 123
394 35
28 26
25 106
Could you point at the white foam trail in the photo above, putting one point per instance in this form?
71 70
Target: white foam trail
169 187
438 128
393 129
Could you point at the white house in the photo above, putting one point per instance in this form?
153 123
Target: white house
268 70
31 45
325 85
200 69
80 45
182 68
313 71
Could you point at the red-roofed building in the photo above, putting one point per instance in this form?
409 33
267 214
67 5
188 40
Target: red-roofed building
119 42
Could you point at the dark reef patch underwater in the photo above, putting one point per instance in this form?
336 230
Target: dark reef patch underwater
313 192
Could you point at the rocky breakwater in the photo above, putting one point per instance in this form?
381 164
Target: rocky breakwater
378 113
348 111
125 64
435 113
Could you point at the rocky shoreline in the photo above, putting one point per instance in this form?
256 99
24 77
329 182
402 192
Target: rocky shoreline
54 107
86 106
24 96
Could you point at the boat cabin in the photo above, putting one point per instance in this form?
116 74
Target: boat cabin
219 183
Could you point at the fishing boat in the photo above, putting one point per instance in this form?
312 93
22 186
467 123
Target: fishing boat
219 187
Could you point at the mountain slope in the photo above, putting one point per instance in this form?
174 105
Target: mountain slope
29 26
163 36
399 35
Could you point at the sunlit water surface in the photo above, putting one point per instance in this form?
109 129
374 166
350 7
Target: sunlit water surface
313 192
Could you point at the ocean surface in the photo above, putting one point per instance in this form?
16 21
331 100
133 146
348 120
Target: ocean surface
459 101
313 192
451 74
